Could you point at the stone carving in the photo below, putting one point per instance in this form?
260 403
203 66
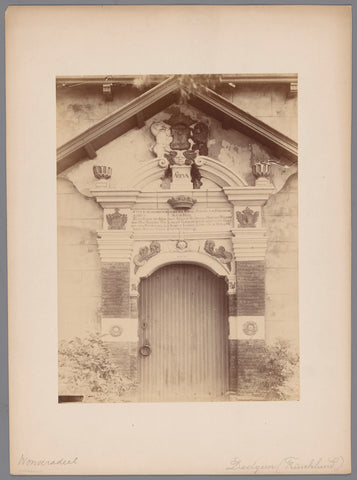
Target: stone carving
180 130
221 253
163 163
261 169
102 172
181 202
250 328
180 140
181 245
117 220
247 218
196 176
115 331
162 133
145 253
200 138
231 284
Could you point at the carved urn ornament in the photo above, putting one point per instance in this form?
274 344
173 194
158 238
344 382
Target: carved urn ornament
261 169
101 172
181 202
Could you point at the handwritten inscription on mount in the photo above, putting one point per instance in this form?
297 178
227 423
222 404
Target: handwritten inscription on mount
179 220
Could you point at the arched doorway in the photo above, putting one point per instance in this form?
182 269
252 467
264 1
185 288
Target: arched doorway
183 319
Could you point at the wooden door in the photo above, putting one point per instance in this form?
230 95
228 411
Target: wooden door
183 317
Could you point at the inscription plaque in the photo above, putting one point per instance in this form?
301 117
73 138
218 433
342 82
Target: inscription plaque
177 220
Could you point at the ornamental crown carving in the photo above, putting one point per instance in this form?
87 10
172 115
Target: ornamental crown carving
117 220
181 202
247 218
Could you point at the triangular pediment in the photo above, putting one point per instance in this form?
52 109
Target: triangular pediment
135 113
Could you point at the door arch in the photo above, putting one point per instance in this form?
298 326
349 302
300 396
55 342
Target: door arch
183 318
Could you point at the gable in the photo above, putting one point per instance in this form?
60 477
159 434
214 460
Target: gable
131 155
137 112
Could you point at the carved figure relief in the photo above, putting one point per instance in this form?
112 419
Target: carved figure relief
117 220
162 133
145 253
221 253
200 138
247 218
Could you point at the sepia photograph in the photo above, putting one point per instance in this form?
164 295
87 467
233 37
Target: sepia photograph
177 235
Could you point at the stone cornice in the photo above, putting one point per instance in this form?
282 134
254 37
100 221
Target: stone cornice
249 195
241 78
115 198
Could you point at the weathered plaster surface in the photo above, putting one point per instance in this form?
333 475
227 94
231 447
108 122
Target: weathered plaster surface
280 216
78 108
79 287
269 103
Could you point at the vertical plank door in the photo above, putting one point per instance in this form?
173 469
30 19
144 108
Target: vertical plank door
183 309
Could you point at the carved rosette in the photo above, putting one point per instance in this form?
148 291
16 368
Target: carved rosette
250 328
181 245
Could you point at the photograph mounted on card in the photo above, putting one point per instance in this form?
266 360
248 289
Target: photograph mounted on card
176 287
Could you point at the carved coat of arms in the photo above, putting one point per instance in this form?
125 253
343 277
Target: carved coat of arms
179 140
117 220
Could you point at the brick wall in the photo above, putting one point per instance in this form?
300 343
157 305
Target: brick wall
115 289
244 355
124 354
250 287
232 305
249 353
